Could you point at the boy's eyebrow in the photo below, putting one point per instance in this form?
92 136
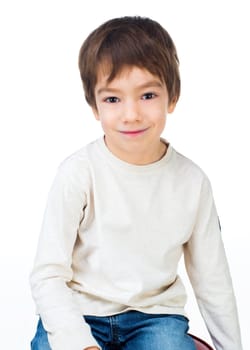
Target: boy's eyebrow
148 84
107 90
151 83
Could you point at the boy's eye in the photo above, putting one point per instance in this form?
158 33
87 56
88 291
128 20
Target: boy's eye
112 99
148 96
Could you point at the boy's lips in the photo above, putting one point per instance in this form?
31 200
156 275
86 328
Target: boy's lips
133 132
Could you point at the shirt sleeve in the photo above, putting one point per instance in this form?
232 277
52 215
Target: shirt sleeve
61 317
209 274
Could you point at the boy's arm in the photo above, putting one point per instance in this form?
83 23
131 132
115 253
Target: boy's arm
61 317
208 270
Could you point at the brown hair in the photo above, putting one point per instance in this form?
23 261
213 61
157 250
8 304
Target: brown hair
129 41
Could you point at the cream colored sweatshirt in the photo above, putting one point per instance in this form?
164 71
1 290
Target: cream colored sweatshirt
112 236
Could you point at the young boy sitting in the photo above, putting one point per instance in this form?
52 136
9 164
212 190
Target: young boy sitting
123 210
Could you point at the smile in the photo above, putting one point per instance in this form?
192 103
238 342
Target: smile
133 132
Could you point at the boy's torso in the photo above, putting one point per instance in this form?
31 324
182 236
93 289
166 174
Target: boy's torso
136 220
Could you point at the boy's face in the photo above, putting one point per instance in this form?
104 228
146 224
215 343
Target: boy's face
132 109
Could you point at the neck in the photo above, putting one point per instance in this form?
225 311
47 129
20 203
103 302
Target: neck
140 157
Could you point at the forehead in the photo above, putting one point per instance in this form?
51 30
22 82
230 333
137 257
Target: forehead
132 75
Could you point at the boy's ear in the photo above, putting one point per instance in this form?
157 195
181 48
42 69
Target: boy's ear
95 112
172 104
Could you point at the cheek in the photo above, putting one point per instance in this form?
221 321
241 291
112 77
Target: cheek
109 115
162 122
158 107
96 113
160 119
107 121
158 114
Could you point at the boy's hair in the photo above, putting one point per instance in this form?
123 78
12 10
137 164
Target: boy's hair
129 41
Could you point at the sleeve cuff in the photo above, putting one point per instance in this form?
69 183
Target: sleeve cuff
72 339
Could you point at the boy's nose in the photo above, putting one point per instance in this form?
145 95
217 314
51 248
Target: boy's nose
131 112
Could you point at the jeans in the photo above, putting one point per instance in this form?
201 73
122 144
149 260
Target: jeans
132 330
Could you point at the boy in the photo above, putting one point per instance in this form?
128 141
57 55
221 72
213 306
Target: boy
123 209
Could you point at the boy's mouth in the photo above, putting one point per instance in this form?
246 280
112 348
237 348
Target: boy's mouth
133 132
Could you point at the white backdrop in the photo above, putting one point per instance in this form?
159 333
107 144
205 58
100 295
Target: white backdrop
44 118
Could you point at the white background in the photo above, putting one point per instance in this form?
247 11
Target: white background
44 118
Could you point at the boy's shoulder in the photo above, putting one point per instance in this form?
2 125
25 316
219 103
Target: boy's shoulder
75 167
188 168
75 160
79 162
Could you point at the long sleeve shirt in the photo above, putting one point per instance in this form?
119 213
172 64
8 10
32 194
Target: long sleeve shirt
112 236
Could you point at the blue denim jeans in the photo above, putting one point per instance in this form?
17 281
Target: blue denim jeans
132 330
